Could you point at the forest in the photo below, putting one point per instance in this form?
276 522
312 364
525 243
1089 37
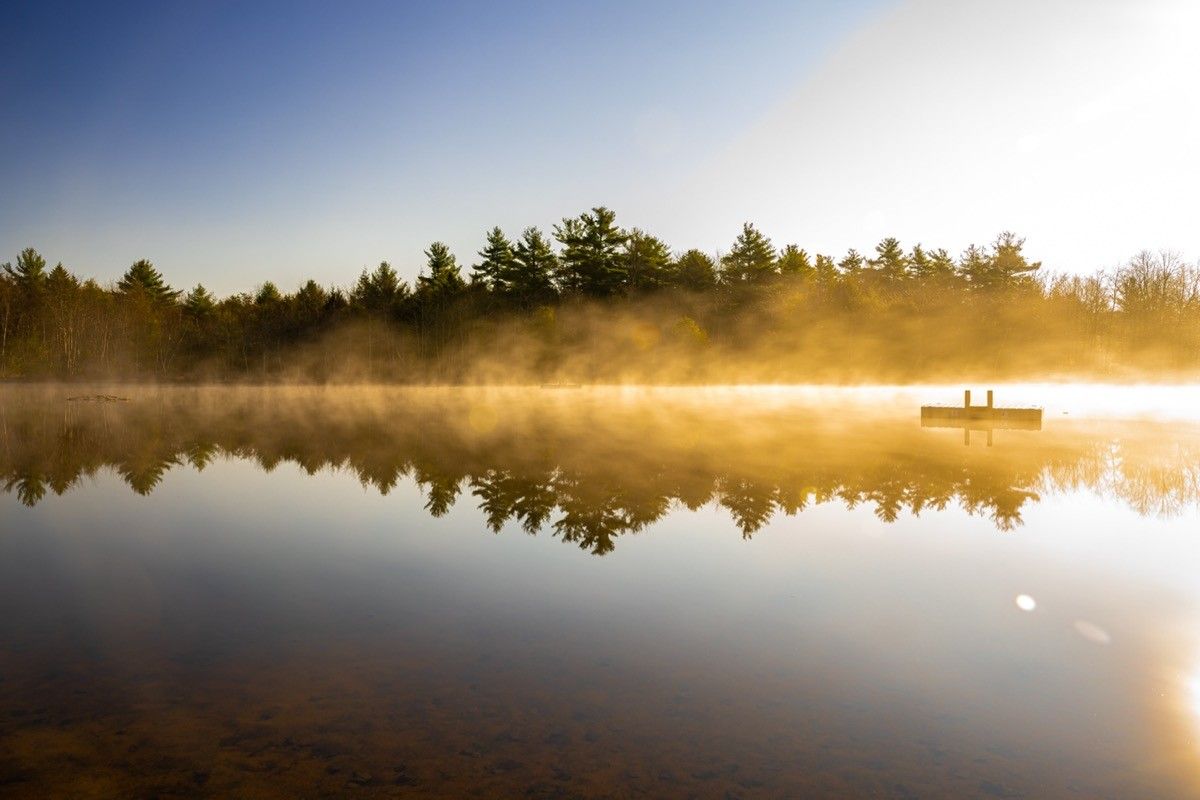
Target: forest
594 302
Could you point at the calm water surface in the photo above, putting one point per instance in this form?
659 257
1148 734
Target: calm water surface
597 593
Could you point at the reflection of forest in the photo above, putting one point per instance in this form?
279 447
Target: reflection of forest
590 467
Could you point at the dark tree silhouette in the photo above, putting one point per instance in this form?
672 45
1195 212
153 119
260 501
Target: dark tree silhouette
614 305
752 258
496 265
647 261
695 271
534 265
592 262
143 279
795 263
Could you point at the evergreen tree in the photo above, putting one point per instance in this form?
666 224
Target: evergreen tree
199 303
826 270
268 323
918 262
695 271
199 322
591 262
444 278
795 262
936 265
975 267
268 294
750 260
1009 267
497 262
62 296
531 276
30 271
852 264
143 279
146 305
60 280
337 302
890 262
381 291
309 301
647 261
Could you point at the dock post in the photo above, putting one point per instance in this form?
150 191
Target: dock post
966 398
989 398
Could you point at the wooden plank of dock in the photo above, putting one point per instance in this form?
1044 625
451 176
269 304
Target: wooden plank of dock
988 415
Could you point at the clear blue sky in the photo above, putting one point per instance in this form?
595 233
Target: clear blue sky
238 142
233 143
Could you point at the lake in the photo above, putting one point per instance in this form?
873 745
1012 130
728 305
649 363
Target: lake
597 592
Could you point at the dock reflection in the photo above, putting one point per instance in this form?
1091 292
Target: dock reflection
591 468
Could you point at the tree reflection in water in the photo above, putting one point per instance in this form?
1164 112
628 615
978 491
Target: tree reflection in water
590 467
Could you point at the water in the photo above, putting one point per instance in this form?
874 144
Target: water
597 593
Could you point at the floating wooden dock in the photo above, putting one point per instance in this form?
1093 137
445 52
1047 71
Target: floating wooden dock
987 417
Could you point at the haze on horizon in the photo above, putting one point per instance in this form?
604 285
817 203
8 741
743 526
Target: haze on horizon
235 145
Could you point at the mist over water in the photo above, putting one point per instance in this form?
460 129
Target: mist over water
592 463
756 591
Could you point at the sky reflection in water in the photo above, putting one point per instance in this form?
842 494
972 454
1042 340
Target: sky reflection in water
770 615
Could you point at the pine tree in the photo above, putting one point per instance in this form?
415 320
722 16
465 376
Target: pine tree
890 262
62 295
199 303
309 300
647 261
444 278
1009 267
337 302
60 280
143 279
29 280
531 277
695 271
941 266
268 294
1002 266
307 308
496 263
919 262
795 262
30 271
591 260
852 263
750 260
826 270
975 267
379 292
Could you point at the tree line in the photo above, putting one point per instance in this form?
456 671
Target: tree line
594 301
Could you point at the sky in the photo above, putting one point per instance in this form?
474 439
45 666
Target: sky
233 143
